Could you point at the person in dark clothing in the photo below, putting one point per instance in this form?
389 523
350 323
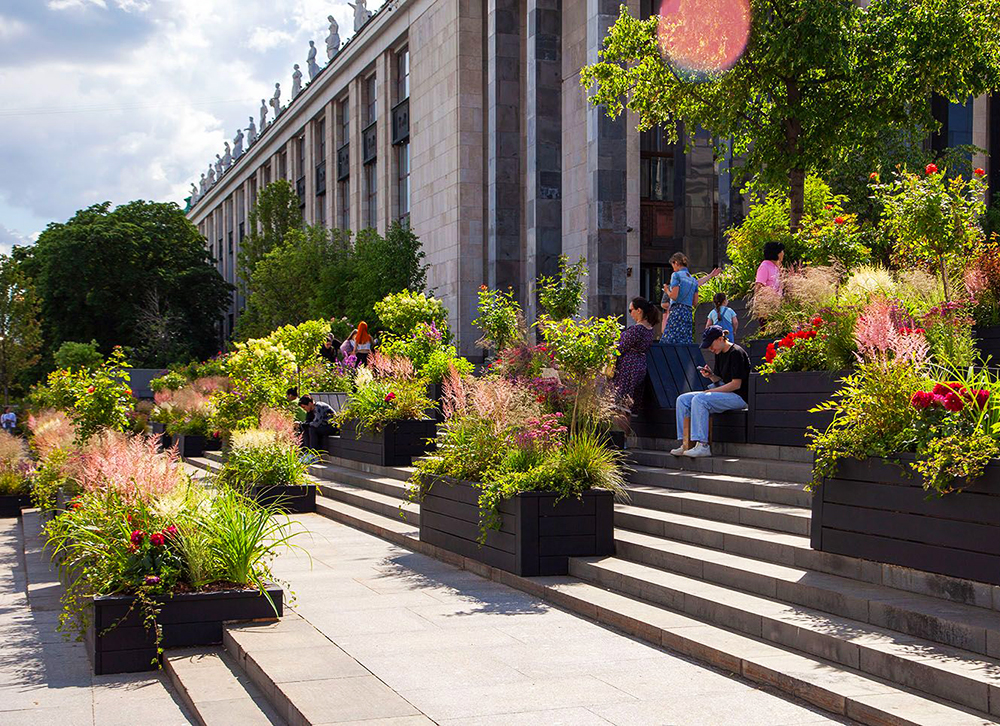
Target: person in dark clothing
318 424
292 394
729 392
330 349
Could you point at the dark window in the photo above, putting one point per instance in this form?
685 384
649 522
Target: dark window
403 181
344 112
344 203
371 98
229 242
371 198
402 75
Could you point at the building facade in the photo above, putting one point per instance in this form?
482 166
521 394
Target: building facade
467 119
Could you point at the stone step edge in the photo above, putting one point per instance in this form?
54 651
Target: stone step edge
792 494
920 606
721 500
251 710
704 642
946 669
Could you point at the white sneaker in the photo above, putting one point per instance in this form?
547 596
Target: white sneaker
679 451
698 451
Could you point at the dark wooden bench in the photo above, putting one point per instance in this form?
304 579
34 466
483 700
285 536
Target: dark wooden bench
670 371
336 401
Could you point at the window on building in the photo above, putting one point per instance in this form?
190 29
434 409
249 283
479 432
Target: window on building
267 174
300 144
402 75
344 204
283 165
344 114
321 211
656 189
253 192
371 196
371 98
403 181
319 141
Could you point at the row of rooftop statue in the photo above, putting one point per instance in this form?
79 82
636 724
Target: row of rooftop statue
225 160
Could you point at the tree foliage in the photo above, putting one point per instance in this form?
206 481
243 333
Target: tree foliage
20 331
73 356
818 81
95 272
273 216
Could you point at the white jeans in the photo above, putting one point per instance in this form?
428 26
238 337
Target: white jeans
698 405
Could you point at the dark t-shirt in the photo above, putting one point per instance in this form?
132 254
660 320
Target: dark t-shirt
732 364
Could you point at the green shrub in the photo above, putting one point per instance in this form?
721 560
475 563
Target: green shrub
77 356
561 296
380 401
259 458
400 313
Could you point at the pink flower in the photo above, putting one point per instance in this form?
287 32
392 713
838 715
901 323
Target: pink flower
390 397
922 399
137 537
151 580
156 539
931 169
170 530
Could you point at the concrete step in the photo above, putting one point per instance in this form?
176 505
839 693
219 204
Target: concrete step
757 468
401 473
751 451
392 528
963 626
761 490
372 501
309 680
389 486
215 691
750 513
953 674
833 687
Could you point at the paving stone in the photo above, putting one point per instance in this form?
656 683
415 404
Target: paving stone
343 699
242 711
318 662
550 717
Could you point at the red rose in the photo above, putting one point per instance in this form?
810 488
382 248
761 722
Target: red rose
90 390
156 539
921 399
941 390
817 321
839 220
873 176
931 169
952 402
137 537
978 171
771 354
483 287
982 397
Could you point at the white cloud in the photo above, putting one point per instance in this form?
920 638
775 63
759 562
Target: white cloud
115 104
11 237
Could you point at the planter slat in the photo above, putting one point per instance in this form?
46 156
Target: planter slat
779 406
11 504
566 526
468 548
468 529
395 445
874 511
566 545
293 499
462 510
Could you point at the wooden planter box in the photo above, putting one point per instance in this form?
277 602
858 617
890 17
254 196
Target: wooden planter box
118 642
212 443
537 536
874 510
293 499
395 445
189 445
987 341
779 406
11 504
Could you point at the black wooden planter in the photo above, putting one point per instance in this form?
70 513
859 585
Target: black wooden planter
987 340
395 445
212 443
872 509
537 537
189 445
779 406
118 642
293 499
10 504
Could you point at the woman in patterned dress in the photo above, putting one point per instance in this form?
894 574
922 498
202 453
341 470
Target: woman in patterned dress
683 293
630 368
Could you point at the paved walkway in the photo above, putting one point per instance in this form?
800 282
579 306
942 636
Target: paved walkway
46 680
465 650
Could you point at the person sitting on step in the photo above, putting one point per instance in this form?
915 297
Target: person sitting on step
318 424
729 392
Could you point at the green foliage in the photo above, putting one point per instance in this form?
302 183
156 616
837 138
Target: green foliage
170 381
424 348
383 266
275 214
561 296
77 356
401 312
261 372
817 82
49 476
500 319
302 340
95 272
260 459
380 401
95 399
935 220
582 349
20 330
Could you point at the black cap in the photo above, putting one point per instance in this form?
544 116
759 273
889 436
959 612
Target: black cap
711 335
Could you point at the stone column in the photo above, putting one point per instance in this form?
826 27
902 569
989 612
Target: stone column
699 198
503 102
543 197
384 162
308 171
357 184
330 114
607 166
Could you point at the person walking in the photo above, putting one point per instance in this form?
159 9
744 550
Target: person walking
729 392
363 342
680 298
723 316
635 340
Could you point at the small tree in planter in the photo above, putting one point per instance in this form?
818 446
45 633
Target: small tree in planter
561 296
500 319
261 372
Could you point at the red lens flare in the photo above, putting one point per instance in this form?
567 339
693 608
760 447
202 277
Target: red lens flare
704 36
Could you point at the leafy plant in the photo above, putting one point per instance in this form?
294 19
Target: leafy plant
562 295
424 347
100 398
500 319
402 312
383 400
262 458
261 371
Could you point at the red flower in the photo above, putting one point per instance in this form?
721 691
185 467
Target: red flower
90 390
839 220
921 399
817 321
483 287
982 397
953 403
128 391
75 505
827 206
919 331
931 169
137 537
941 390
390 397
170 530
156 539
771 353
978 172
540 399
873 176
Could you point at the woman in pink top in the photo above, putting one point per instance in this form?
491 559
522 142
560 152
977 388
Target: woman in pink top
769 271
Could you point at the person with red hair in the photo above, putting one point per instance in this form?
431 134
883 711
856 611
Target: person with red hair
362 342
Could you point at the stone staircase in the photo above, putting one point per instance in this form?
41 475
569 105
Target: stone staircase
713 560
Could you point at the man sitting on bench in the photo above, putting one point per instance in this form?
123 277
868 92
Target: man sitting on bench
729 392
318 424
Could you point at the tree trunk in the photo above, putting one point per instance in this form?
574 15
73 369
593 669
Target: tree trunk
796 175
796 198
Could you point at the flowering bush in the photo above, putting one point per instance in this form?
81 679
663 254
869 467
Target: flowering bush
95 399
500 319
982 285
263 458
401 313
387 391
132 465
261 372
187 410
802 350
424 347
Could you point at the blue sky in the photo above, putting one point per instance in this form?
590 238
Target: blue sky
130 99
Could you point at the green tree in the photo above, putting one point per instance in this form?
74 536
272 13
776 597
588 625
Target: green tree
73 356
818 81
20 331
384 265
275 214
561 296
95 272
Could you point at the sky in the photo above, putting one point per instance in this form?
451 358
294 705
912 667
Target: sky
116 100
